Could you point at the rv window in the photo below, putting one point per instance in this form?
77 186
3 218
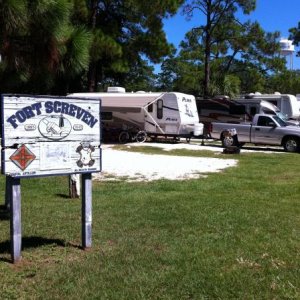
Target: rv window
236 109
212 105
106 116
150 108
253 111
159 109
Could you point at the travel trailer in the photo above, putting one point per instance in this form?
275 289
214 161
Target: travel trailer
287 104
158 114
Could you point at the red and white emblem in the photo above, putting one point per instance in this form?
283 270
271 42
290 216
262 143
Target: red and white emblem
22 157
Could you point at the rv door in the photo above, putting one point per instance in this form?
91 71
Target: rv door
153 115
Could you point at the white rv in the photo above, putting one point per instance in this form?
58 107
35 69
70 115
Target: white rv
222 109
158 114
258 106
287 104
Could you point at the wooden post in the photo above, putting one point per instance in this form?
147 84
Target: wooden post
86 210
74 185
15 218
8 192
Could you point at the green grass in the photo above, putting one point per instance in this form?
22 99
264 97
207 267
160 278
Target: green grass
178 152
232 235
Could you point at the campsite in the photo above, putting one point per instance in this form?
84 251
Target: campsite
150 150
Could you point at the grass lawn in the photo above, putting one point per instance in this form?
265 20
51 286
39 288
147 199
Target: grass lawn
232 235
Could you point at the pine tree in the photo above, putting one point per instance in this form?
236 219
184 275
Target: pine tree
217 14
41 46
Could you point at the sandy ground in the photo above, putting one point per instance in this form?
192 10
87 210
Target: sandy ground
145 167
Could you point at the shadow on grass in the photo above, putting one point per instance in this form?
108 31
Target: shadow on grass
4 213
253 148
65 196
32 242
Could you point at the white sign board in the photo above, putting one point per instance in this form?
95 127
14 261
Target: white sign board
44 135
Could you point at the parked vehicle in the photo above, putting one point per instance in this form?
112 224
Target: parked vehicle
263 130
287 104
223 109
158 114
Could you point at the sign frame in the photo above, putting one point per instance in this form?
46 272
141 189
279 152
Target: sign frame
22 157
68 110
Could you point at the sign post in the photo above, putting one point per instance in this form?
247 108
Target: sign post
15 218
45 136
86 211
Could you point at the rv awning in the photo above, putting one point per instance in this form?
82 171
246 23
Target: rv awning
122 100
128 101
121 109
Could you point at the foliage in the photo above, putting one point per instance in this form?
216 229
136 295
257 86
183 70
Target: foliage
219 20
287 82
125 33
60 46
43 47
239 57
295 36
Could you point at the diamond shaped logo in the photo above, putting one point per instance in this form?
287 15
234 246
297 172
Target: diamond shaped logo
22 157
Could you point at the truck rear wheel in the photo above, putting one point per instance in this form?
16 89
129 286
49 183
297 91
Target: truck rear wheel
291 144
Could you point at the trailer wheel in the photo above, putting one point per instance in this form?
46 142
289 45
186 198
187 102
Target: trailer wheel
123 137
141 136
291 144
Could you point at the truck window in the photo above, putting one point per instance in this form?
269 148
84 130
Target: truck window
159 109
265 121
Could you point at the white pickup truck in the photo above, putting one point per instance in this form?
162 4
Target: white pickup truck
264 130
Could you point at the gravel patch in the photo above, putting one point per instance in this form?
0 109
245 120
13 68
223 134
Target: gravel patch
120 165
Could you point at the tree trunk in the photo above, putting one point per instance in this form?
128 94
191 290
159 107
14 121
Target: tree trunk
207 51
92 77
207 68
74 186
92 68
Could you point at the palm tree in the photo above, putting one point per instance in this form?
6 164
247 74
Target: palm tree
40 46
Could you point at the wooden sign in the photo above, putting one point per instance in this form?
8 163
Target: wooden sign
44 135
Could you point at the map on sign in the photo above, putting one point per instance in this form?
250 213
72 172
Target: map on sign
45 135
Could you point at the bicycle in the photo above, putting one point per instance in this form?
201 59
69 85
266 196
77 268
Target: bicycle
126 136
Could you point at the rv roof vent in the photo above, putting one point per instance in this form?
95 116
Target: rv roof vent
140 92
115 89
221 97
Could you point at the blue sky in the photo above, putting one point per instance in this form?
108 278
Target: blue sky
272 15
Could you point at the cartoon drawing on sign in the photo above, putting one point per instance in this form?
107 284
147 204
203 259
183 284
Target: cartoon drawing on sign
55 127
22 157
85 150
